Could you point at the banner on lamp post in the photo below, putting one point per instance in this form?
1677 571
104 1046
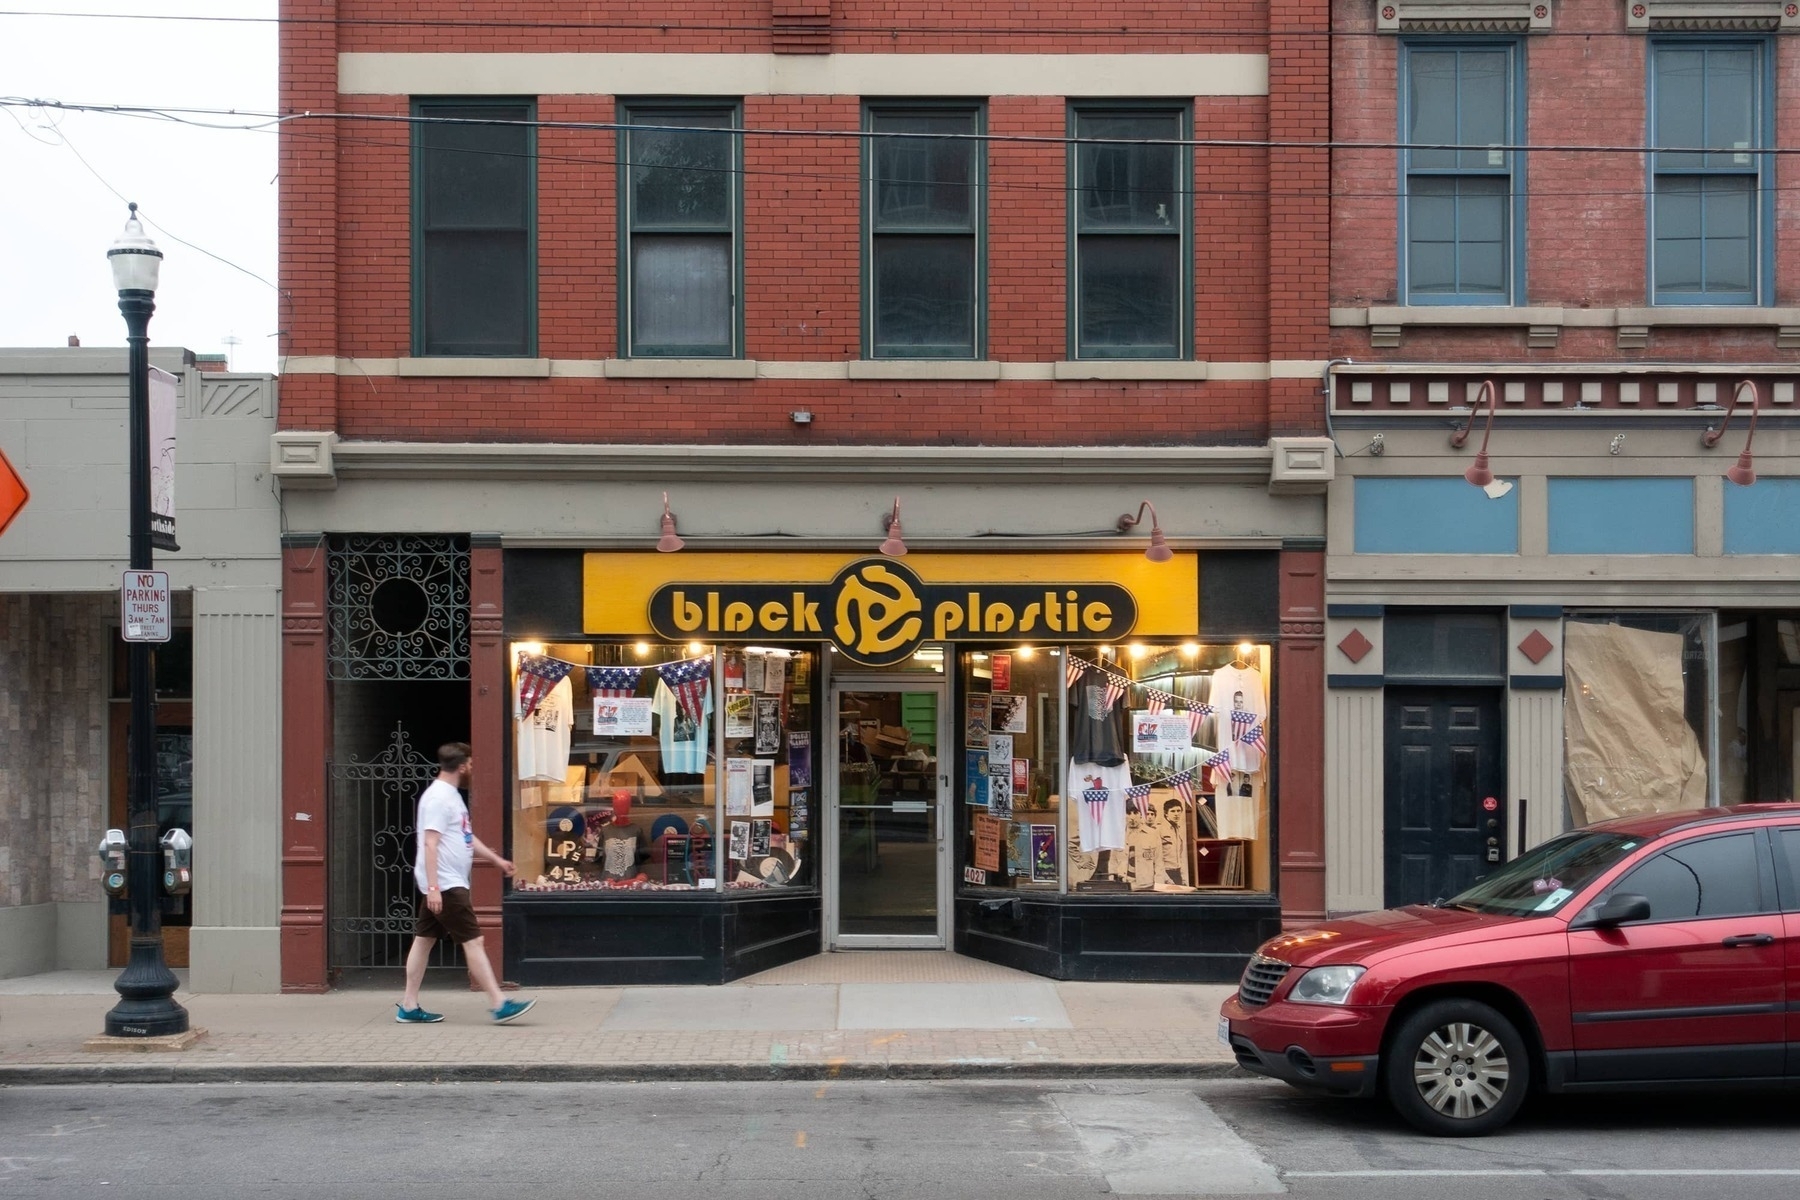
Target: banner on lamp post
162 459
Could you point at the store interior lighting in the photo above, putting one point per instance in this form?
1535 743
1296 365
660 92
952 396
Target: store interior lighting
1744 472
1158 551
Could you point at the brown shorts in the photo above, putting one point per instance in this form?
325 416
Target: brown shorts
456 922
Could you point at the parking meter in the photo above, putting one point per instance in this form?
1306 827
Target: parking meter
113 848
178 862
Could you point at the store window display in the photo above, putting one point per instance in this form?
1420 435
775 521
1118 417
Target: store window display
658 767
1163 753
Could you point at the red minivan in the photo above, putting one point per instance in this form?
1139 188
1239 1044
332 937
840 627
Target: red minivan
1649 951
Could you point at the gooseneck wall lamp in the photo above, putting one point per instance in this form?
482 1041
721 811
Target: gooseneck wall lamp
894 544
670 541
1158 551
1744 473
1479 473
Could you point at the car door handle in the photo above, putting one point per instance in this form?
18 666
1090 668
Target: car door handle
1748 939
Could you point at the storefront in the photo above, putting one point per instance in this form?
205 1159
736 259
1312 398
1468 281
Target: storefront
1606 626
723 761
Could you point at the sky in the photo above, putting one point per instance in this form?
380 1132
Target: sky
213 188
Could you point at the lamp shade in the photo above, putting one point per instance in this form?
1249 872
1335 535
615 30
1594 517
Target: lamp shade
669 541
894 545
1480 474
1744 473
136 262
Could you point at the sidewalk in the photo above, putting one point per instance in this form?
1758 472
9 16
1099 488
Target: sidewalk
869 1015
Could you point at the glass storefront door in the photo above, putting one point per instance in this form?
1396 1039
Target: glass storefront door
888 882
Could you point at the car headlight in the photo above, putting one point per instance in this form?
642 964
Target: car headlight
1326 985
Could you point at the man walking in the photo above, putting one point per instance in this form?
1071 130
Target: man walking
446 850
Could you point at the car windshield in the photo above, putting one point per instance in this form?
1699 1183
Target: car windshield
1544 879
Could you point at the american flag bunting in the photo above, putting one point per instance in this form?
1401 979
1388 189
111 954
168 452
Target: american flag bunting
615 683
1072 671
1197 717
1138 797
538 673
1184 786
1241 722
1254 738
1116 686
690 680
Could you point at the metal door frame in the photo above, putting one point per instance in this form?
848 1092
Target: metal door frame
848 679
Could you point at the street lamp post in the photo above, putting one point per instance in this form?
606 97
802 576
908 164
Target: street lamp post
146 987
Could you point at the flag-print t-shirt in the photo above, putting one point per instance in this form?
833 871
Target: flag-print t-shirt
685 741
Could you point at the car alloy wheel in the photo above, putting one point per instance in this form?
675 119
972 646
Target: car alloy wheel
1461 1070
1456 1068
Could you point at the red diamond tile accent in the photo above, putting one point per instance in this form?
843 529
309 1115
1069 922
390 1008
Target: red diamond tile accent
1536 646
1356 647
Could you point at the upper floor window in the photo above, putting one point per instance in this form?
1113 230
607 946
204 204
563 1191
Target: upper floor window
474 226
681 216
926 210
1132 293
1460 212
1707 206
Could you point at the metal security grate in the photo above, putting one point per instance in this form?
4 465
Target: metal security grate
399 606
372 890
1261 978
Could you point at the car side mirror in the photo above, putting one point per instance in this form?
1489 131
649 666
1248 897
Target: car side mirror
1620 908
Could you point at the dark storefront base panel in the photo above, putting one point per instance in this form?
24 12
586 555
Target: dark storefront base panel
1118 938
589 941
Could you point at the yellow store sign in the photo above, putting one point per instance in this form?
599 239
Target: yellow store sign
878 611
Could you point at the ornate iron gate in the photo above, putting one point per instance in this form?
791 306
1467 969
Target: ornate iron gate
372 889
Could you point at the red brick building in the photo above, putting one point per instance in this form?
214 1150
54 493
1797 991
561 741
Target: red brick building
1001 274
1586 205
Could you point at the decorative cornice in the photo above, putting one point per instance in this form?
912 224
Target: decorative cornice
771 464
1463 16
1711 16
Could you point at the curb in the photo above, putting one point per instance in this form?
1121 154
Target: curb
982 1069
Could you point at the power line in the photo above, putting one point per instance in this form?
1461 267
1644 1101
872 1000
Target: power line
1217 195
1026 28
64 140
1332 144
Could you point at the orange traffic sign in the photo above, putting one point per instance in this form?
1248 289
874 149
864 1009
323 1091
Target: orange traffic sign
13 493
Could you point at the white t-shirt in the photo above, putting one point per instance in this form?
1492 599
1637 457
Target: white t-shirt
685 741
441 808
1099 826
1227 684
545 735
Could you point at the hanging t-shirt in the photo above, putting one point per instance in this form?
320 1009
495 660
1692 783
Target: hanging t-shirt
1101 817
1096 728
1241 688
685 741
441 808
545 735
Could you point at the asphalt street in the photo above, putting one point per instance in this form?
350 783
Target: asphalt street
798 1141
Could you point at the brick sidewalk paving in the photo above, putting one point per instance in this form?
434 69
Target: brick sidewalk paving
1026 1025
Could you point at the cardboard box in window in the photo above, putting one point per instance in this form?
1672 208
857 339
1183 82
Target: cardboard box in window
635 774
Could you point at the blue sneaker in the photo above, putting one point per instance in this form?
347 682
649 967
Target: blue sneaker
512 1010
416 1016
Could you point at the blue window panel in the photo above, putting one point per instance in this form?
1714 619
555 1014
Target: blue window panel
1621 516
1763 518
1434 516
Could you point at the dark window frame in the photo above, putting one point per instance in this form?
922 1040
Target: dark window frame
1183 230
645 111
1760 171
976 231
1513 171
429 106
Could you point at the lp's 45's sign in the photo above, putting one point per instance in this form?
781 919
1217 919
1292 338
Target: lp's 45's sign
878 612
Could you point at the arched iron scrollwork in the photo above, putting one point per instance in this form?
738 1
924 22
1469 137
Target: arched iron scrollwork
399 606
372 889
